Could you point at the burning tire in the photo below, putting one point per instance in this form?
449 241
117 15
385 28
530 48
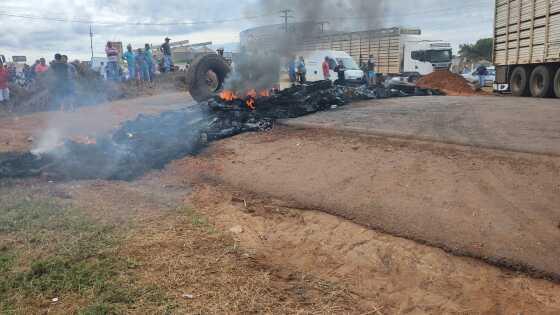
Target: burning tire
206 76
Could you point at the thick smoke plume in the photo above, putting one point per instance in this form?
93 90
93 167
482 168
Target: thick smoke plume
260 67
254 70
341 15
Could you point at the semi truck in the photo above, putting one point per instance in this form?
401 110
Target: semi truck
396 50
526 49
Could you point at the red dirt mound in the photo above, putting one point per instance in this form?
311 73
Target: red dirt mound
447 82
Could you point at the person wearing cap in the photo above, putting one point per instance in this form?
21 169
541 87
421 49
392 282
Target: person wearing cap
166 50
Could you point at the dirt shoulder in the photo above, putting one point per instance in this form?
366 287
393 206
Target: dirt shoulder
176 241
497 206
137 248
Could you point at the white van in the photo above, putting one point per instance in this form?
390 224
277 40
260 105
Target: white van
314 64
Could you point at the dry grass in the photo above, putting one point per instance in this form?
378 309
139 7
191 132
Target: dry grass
189 257
56 243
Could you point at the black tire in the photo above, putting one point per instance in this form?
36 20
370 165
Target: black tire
556 84
199 83
519 82
540 82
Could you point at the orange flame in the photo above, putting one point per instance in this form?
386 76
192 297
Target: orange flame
250 103
250 97
228 95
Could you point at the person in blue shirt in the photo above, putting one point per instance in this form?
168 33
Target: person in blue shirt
292 69
130 59
142 65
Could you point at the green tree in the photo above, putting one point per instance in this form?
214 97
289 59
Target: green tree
481 50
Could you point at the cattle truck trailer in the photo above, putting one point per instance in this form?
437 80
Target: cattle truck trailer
526 49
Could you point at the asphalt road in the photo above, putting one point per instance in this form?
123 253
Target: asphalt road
508 123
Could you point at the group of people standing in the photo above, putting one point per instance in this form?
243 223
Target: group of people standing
338 67
140 63
62 85
297 70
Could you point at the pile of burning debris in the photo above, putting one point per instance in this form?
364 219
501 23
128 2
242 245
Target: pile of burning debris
150 142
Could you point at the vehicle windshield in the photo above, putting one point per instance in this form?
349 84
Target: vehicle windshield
349 63
439 55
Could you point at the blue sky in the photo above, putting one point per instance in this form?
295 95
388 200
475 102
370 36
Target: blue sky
454 21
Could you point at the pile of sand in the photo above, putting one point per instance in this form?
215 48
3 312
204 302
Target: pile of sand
446 82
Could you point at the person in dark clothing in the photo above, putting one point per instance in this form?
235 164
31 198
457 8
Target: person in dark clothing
341 71
60 85
482 72
71 86
167 57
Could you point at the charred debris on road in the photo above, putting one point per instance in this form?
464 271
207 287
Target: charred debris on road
150 142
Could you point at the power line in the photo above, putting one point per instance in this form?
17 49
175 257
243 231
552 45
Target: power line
92 22
286 15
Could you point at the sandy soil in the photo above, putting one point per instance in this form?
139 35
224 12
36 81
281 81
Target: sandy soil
284 260
401 276
290 259
395 275
493 205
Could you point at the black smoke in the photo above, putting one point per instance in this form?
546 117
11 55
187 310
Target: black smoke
341 15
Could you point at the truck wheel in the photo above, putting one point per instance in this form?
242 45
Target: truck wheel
556 84
518 82
540 82
206 76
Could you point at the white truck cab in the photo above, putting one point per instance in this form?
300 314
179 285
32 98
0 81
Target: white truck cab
314 64
425 56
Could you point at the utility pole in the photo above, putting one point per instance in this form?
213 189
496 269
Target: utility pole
91 40
323 25
286 15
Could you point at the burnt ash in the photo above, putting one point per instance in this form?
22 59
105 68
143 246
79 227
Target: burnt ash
151 142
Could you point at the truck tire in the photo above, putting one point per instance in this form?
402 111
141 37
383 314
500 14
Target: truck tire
540 82
556 84
519 82
206 76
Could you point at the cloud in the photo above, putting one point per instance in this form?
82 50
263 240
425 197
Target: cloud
439 19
